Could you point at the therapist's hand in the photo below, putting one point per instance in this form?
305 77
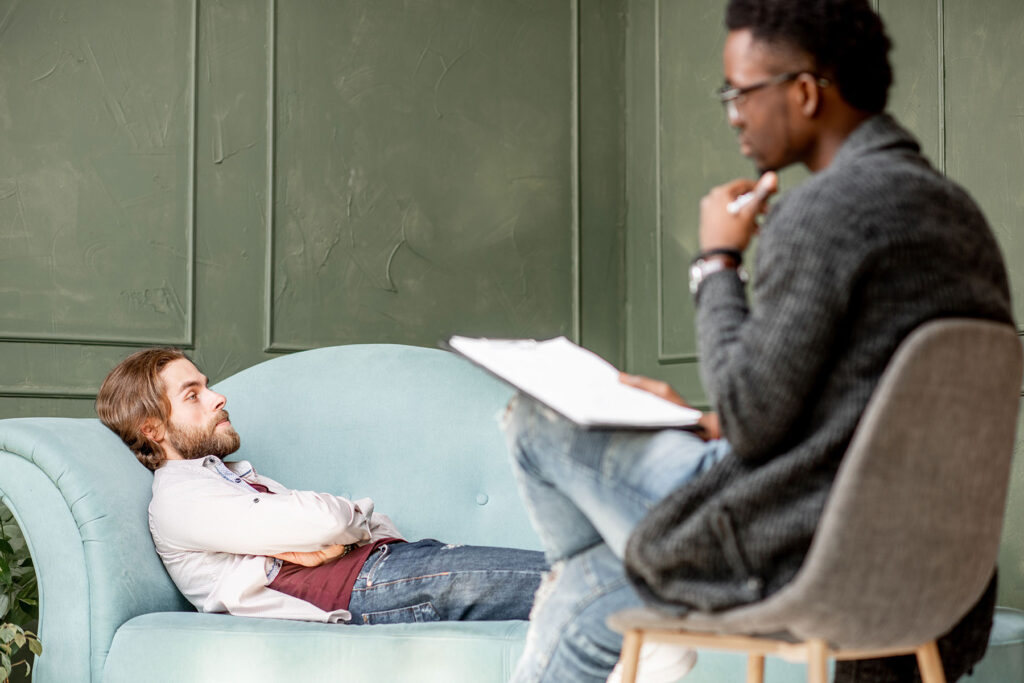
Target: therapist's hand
708 426
720 229
653 386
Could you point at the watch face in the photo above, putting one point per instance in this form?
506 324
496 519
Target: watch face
696 275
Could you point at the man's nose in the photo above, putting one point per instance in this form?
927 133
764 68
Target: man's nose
732 112
219 400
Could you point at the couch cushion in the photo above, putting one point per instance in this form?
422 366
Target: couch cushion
175 646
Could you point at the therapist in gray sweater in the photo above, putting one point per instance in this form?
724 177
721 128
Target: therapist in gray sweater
875 243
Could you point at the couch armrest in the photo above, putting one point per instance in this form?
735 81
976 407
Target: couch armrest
80 498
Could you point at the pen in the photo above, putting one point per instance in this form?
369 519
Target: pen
765 186
735 205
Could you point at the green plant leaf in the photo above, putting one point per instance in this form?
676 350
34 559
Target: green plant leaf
5 547
35 646
19 640
7 633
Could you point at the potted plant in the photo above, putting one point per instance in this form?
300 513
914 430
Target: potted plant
19 598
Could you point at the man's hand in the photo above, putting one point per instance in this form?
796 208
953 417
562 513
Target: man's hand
708 427
314 558
653 386
720 229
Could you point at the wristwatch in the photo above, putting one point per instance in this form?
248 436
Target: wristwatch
713 263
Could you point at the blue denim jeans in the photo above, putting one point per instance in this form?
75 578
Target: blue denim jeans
431 581
585 491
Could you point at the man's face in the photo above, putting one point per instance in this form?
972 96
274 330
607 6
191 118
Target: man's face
769 134
198 425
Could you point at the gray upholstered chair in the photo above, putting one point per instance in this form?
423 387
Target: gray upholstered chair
908 539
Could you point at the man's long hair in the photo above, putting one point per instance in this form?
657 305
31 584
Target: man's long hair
845 38
134 392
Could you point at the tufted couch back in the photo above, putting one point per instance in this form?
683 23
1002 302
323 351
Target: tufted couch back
415 429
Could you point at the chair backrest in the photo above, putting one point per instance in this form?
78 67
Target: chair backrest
909 537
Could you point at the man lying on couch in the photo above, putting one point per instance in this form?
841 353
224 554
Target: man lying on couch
239 542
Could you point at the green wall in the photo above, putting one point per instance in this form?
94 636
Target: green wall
246 178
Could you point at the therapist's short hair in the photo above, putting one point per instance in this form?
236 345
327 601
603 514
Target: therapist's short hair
134 392
845 38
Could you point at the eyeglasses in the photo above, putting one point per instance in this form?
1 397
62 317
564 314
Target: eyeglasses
731 97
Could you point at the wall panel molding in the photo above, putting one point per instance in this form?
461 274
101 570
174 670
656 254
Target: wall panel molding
269 345
271 341
663 357
187 337
576 323
55 394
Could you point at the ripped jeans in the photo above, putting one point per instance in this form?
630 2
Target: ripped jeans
430 581
585 491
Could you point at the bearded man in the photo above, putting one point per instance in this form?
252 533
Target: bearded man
239 542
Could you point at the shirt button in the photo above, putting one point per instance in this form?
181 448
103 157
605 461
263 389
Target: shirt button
237 480
255 500
482 499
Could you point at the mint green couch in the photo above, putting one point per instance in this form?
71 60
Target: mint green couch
416 429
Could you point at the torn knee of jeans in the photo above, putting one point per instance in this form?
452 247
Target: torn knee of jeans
546 588
505 416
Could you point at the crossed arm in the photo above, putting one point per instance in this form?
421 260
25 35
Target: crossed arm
302 527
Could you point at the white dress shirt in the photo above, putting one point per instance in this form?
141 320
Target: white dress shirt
214 534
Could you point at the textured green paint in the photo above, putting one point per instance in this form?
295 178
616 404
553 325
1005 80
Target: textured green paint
423 171
602 177
984 112
913 26
94 170
678 144
245 177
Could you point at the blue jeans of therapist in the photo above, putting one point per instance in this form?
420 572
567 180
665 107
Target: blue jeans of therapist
431 581
585 491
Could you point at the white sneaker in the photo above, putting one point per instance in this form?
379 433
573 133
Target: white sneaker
659 663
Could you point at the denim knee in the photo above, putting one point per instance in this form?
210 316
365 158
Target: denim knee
520 425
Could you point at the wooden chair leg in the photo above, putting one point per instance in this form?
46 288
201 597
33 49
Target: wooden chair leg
817 661
755 668
630 655
930 664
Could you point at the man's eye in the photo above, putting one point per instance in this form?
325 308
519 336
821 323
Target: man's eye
191 397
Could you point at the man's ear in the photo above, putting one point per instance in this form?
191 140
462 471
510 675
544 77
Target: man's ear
153 429
809 94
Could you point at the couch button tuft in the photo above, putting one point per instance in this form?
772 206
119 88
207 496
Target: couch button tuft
482 499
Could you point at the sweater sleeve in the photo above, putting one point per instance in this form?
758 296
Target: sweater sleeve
762 366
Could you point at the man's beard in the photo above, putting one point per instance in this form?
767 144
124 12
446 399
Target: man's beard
198 442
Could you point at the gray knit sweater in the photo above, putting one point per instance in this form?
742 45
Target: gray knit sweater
847 265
